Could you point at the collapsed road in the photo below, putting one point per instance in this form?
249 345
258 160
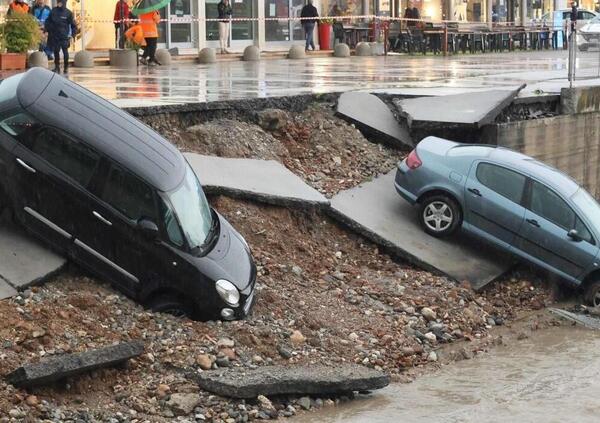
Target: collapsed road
326 295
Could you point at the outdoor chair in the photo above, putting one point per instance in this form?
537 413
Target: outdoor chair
339 35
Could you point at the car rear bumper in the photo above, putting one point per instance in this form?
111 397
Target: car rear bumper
401 182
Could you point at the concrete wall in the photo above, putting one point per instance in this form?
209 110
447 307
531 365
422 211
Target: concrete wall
567 142
103 29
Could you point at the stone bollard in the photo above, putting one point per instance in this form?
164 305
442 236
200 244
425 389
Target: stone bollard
364 49
341 50
123 58
163 56
83 59
296 52
207 55
251 54
37 59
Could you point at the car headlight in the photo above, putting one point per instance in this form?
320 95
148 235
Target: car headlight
228 292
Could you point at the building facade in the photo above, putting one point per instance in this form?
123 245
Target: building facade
185 24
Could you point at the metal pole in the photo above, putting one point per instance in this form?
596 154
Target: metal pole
82 30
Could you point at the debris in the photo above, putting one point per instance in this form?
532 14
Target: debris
304 402
297 338
68 365
183 404
285 380
204 361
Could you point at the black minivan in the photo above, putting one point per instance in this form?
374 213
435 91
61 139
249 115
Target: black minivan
114 196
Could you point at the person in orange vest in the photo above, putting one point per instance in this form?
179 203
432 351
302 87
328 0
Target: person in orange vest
149 22
18 6
135 35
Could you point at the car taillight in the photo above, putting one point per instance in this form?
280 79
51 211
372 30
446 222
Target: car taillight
413 161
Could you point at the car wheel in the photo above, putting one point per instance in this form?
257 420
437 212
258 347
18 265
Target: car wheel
439 215
591 294
170 304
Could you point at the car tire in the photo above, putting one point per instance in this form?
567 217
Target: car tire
439 215
169 303
591 295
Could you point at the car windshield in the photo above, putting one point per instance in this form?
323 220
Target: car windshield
192 209
588 205
596 19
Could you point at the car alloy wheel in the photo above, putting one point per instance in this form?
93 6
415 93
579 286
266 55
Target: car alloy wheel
438 216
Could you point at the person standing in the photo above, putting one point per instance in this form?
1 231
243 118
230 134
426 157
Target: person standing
18 6
309 13
149 22
60 27
121 14
225 13
41 11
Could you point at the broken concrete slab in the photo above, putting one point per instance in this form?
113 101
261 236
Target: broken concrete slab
262 180
372 115
376 211
295 380
57 368
23 260
581 319
472 109
6 290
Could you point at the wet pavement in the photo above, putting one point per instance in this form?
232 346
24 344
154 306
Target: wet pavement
185 82
552 377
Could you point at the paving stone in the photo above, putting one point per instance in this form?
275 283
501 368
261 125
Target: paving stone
6 291
68 365
23 259
264 180
474 108
375 210
291 380
371 114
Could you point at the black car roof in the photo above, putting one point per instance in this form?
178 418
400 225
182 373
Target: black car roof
58 102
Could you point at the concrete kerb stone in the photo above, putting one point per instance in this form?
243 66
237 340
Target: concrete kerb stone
297 52
580 100
207 55
83 59
251 54
123 58
341 50
37 59
163 56
364 49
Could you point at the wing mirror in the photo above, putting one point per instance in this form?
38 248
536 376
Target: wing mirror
148 228
574 235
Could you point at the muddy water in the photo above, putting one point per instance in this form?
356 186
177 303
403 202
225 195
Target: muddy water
553 377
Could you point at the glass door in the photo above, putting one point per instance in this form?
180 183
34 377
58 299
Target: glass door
181 27
283 30
242 32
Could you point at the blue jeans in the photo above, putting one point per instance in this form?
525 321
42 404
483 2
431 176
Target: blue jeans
309 28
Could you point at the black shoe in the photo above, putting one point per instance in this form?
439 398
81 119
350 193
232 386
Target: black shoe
156 62
56 69
66 70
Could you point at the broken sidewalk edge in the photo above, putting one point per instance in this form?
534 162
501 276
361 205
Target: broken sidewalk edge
64 366
275 200
294 380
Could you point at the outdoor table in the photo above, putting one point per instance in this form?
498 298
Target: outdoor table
355 34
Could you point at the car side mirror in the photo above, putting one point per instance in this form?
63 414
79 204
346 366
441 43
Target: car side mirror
148 228
574 235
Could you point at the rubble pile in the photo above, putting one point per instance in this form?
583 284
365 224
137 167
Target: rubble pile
325 296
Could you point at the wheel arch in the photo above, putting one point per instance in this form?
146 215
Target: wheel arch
590 278
443 191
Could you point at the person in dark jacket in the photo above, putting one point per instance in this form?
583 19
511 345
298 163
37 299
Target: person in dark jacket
121 22
309 11
225 12
41 11
60 27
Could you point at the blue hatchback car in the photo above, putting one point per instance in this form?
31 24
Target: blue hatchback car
509 199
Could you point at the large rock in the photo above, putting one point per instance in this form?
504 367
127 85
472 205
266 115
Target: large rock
296 52
251 54
341 50
163 56
37 59
84 59
273 119
123 58
364 49
207 55
373 116
285 380
61 367
183 404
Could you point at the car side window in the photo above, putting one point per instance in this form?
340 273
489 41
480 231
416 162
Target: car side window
505 182
129 195
547 204
583 231
22 126
172 228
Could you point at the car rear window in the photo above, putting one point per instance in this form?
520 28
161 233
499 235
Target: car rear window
506 182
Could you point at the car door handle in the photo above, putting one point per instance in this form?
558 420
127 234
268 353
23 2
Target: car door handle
533 222
25 165
474 191
102 219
